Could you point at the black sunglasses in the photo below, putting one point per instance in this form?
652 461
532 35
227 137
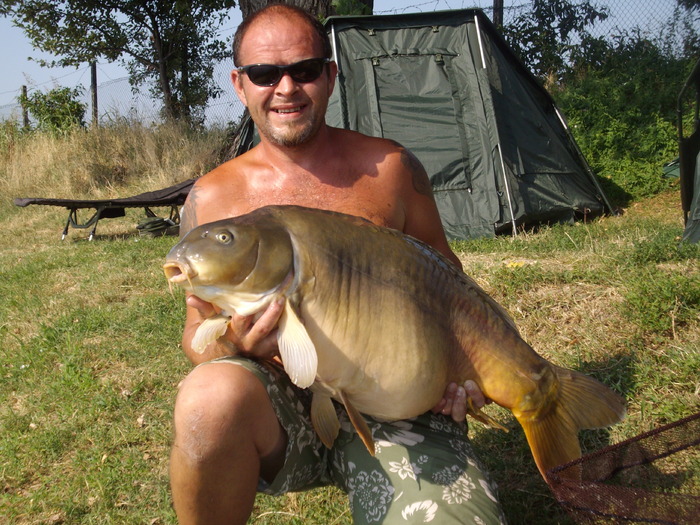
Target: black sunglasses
269 74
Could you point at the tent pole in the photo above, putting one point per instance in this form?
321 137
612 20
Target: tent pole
592 175
481 44
335 48
498 145
507 186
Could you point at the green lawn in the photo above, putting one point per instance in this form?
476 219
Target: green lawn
91 361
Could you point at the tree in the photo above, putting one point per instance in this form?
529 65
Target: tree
543 35
320 8
172 43
690 5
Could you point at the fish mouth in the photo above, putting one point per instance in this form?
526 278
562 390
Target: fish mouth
177 273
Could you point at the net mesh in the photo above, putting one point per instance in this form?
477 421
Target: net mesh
650 478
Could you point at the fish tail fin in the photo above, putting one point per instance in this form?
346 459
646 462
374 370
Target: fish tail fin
580 402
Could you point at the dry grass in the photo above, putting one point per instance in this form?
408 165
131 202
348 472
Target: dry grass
103 163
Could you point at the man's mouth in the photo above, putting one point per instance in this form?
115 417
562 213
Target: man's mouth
287 110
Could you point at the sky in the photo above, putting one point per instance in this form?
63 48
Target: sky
19 70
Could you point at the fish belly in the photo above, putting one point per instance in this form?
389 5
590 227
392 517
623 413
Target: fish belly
389 360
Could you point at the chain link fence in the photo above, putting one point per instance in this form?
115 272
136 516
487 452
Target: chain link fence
661 21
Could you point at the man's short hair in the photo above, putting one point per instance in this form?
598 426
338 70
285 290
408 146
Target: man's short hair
314 23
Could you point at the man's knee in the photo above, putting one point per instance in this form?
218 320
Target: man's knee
215 407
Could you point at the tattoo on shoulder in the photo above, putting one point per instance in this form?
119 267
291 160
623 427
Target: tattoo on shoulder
421 182
188 214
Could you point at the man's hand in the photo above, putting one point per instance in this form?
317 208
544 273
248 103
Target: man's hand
454 402
255 337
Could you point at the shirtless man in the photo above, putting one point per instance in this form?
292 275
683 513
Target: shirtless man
245 428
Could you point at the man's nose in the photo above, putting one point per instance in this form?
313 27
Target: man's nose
287 84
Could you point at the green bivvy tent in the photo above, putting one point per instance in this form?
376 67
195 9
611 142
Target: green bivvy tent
447 86
690 158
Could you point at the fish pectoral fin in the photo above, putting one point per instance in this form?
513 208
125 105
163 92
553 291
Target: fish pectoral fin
359 422
482 417
324 418
297 351
208 332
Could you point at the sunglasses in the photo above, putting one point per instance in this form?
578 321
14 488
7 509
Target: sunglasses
269 74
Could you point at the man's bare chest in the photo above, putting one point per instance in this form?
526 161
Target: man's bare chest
373 203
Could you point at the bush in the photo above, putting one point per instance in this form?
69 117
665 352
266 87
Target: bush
57 111
620 99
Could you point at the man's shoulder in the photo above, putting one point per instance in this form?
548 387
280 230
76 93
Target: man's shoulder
355 141
231 172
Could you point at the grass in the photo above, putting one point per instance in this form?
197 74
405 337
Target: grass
90 358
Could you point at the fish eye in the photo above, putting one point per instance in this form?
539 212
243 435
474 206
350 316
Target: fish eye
224 237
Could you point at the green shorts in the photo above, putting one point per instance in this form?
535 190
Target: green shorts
424 469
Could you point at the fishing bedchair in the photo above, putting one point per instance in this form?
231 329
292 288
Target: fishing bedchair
172 196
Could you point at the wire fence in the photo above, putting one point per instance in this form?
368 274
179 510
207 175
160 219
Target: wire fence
658 20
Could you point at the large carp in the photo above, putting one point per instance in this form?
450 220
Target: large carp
382 323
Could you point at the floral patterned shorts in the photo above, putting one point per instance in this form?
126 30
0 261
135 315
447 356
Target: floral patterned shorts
424 469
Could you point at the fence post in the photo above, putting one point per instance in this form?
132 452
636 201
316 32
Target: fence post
93 92
25 112
498 14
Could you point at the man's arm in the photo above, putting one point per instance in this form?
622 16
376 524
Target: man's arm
422 217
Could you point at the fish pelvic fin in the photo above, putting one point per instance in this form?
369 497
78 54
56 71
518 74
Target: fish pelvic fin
208 332
578 402
359 422
324 418
297 351
483 417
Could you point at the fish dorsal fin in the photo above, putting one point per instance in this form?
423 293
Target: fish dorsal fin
296 348
324 419
209 331
358 421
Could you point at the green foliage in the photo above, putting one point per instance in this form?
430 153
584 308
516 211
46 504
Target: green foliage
663 247
620 99
56 111
351 7
544 35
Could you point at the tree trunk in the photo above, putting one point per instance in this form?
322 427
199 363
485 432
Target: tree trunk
320 8
185 107
163 78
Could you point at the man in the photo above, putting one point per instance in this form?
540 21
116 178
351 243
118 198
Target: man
240 425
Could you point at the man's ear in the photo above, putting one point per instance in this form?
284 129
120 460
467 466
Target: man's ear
332 75
237 81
